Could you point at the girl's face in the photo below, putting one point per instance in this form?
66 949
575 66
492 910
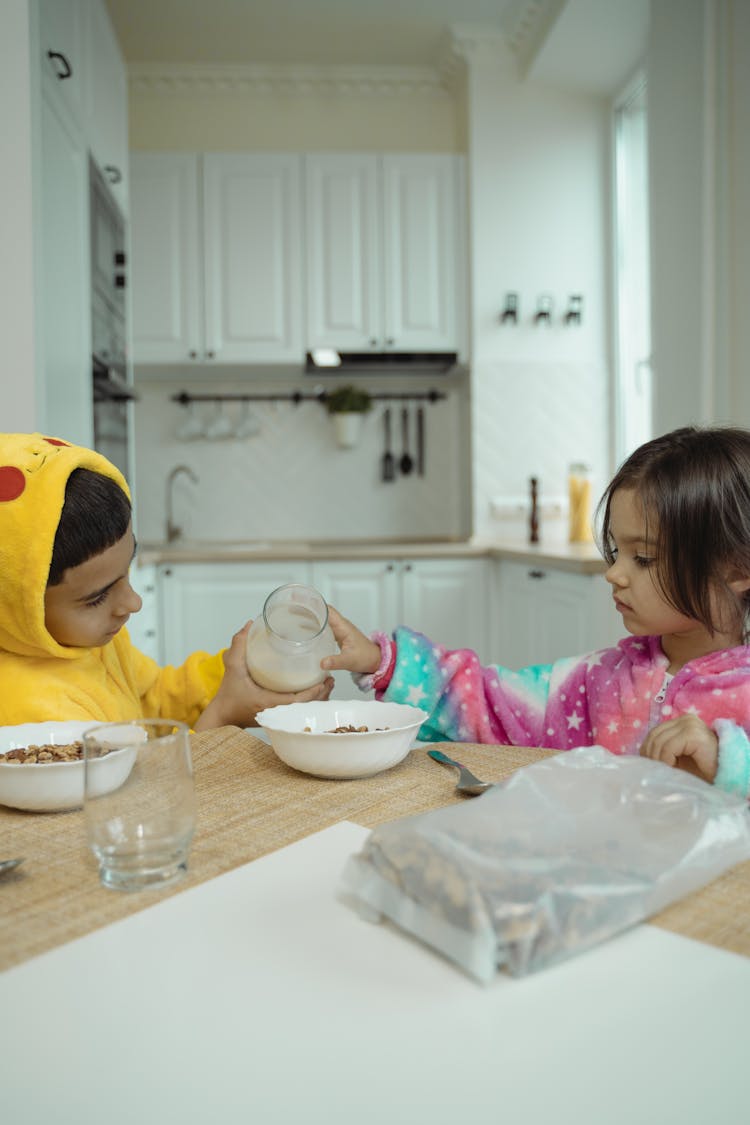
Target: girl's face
94 600
645 612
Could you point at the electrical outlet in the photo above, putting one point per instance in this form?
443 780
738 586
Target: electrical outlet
518 507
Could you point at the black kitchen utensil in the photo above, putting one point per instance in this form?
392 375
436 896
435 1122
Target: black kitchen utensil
420 440
405 464
388 471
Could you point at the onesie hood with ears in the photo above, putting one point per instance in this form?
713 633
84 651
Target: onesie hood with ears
34 471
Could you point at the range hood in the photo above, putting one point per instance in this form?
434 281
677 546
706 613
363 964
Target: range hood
327 361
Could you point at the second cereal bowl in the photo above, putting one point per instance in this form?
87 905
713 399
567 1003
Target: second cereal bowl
302 735
55 786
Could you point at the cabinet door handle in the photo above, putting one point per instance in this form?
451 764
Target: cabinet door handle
390 342
64 70
373 342
210 355
167 573
390 567
114 175
407 568
193 355
537 574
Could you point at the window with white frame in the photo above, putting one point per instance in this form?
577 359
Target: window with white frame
633 396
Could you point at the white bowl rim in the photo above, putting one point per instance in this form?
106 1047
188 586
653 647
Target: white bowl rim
263 717
74 735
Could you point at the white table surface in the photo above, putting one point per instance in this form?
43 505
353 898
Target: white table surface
260 998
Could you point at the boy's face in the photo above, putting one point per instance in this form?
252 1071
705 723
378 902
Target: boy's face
94 600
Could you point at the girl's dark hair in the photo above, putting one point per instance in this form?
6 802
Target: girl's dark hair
95 515
694 485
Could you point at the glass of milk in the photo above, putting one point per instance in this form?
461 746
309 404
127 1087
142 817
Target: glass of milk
289 639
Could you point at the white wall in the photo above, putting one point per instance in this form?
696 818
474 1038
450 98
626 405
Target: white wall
539 186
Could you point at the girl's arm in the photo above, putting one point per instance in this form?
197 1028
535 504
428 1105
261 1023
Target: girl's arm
733 773
466 701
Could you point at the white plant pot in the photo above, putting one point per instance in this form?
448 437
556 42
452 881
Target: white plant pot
348 427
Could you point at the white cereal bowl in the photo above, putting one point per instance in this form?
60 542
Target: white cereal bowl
55 786
392 731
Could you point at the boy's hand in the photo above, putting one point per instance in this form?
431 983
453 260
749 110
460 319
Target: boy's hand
239 698
686 743
358 653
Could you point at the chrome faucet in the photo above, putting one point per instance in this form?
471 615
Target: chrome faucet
174 531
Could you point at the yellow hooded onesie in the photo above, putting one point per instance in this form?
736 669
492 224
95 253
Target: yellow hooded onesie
39 678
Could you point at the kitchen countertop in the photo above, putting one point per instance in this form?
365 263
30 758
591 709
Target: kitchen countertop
578 558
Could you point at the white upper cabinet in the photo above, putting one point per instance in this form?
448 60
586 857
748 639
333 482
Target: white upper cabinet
166 258
217 258
385 249
253 258
62 46
344 291
107 102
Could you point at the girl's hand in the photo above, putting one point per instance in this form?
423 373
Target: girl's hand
239 698
686 743
358 653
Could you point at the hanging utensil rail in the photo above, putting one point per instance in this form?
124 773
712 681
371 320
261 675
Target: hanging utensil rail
295 397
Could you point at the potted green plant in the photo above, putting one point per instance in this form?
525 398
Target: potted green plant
347 407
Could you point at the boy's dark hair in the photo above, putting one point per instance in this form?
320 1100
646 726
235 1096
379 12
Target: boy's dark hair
694 485
95 515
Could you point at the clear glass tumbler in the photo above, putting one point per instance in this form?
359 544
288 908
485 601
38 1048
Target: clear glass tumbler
289 639
140 832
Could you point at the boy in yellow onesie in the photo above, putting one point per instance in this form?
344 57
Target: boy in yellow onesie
66 545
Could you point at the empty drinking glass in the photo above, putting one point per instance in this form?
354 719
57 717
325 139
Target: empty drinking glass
141 831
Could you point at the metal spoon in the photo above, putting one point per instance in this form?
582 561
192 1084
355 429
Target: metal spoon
9 864
467 784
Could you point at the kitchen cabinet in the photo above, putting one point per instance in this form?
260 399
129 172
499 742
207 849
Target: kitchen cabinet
543 614
444 598
62 281
63 54
385 252
143 627
107 102
202 605
217 258
66 36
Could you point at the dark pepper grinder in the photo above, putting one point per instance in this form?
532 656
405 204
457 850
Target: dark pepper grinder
534 514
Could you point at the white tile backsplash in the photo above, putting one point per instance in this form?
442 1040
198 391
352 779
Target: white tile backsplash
291 481
533 420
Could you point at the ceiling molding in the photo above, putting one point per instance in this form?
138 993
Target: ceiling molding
529 27
283 81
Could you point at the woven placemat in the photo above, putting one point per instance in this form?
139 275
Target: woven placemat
249 804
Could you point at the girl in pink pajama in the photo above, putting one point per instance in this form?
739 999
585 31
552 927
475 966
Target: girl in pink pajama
675 531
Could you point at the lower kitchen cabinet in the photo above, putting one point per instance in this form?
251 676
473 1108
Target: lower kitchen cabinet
444 598
543 613
143 627
202 605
